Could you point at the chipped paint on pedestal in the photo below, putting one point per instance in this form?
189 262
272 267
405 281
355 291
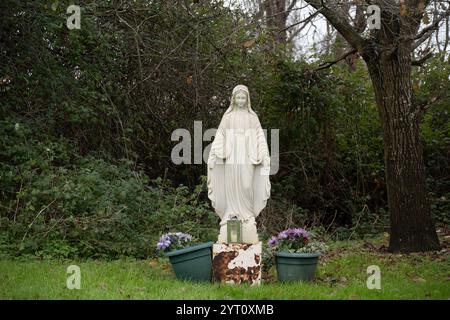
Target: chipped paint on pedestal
237 263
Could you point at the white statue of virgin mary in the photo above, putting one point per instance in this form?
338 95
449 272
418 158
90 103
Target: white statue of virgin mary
238 167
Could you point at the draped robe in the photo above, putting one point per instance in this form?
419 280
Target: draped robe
238 171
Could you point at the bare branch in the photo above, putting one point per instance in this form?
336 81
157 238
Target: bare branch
426 32
308 19
340 23
420 61
328 64
298 30
291 6
434 25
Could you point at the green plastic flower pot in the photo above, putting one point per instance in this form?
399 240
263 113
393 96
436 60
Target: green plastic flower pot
296 266
192 263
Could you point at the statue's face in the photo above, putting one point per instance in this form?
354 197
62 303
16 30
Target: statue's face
241 100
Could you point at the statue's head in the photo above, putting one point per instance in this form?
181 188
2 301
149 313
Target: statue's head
240 99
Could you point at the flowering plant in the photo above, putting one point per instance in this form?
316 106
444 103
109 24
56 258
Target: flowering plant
174 241
296 240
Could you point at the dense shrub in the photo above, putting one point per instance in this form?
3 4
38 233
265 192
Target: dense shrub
57 204
432 83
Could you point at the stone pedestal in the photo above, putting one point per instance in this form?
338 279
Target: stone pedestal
237 263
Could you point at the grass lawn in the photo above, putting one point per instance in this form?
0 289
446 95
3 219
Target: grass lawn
342 274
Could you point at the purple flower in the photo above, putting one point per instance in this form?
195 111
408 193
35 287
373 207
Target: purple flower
301 232
184 236
289 239
177 240
164 242
283 235
273 241
160 246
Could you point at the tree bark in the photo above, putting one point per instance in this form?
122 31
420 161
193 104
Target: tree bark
411 225
276 18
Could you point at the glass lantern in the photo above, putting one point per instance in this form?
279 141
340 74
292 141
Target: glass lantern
234 234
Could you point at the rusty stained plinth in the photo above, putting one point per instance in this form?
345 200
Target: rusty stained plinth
236 263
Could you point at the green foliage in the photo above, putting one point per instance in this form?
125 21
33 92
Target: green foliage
86 118
432 84
331 148
57 204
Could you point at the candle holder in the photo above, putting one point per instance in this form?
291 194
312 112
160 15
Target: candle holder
234 230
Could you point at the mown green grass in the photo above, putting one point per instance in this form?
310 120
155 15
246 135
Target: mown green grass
342 274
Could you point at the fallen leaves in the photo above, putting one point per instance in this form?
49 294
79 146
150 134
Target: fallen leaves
419 280
249 43
153 263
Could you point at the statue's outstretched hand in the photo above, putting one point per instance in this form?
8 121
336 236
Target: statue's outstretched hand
211 161
265 170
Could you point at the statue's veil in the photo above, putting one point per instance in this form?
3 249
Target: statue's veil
240 88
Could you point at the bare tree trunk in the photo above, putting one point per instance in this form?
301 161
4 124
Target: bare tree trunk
412 228
277 14
276 20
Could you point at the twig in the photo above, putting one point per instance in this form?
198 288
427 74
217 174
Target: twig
32 222
428 29
357 222
420 61
328 64
17 202
329 226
